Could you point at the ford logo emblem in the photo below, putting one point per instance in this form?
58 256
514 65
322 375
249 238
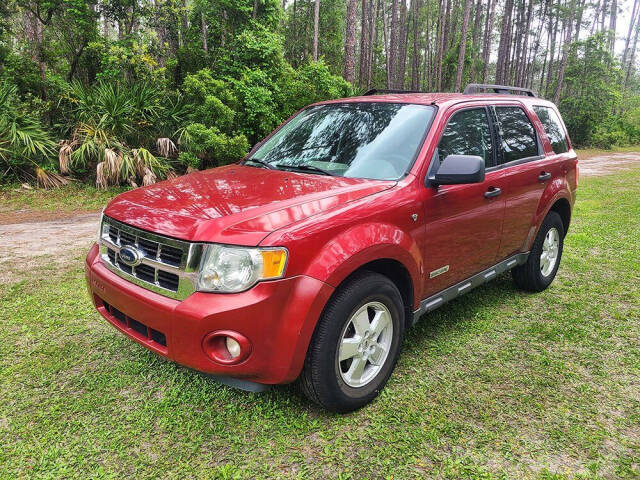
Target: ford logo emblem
129 255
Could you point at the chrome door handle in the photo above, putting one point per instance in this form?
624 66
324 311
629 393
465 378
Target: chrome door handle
544 176
492 192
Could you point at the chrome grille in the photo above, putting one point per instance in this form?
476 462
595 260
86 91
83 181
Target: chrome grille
165 265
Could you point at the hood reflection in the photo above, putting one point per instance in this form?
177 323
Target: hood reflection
235 204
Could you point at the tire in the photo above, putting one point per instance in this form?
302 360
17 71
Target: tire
334 384
536 275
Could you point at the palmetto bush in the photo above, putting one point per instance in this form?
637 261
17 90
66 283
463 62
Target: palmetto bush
25 145
115 130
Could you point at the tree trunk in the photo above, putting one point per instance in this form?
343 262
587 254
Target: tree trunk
350 41
565 53
415 58
603 14
517 46
553 28
373 40
463 44
440 36
364 39
531 66
612 26
204 29
475 38
385 33
254 14
503 47
428 53
402 46
625 53
394 36
632 58
486 47
521 74
596 14
316 26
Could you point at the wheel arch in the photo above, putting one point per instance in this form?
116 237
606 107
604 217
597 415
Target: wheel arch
398 273
563 208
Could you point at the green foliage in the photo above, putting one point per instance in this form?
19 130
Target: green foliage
592 89
23 140
188 159
211 146
195 83
622 129
257 48
313 82
210 100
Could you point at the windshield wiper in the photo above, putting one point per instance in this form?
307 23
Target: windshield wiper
261 162
307 168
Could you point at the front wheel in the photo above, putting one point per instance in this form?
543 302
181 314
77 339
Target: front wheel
356 344
544 259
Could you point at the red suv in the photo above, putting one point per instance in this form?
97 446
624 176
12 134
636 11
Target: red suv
311 257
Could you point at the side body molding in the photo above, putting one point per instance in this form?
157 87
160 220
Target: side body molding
434 301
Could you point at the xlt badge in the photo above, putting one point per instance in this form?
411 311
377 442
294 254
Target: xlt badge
439 271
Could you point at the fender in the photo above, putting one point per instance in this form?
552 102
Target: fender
364 243
557 189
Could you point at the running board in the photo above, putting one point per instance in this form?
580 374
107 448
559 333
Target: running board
434 301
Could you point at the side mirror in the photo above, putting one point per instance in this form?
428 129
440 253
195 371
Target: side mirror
458 169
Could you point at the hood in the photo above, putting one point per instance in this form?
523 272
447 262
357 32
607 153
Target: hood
235 204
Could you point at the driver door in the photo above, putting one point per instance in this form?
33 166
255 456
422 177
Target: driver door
463 222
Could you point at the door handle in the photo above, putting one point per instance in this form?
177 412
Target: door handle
492 192
544 176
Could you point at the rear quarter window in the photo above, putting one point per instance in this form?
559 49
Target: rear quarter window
553 128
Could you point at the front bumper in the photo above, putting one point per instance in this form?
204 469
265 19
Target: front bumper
277 317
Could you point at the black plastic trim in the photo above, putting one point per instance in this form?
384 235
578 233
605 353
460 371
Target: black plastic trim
434 164
246 385
473 88
434 301
382 91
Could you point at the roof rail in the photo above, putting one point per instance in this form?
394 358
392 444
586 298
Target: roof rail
377 91
503 89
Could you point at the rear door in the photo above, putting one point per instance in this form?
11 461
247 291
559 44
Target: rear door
463 221
525 171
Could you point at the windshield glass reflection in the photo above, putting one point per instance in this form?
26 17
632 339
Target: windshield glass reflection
360 140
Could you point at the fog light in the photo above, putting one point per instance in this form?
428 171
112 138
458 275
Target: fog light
226 347
233 347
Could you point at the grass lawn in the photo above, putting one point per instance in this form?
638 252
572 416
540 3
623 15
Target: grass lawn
70 198
497 384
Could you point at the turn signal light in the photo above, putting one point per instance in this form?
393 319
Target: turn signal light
273 262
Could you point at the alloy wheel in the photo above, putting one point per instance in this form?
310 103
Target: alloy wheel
365 343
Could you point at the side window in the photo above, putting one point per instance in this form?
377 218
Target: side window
554 129
467 133
518 135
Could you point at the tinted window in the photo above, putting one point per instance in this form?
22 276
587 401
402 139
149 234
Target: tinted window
363 140
554 129
518 135
467 133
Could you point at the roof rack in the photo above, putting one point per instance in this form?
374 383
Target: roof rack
502 89
377 91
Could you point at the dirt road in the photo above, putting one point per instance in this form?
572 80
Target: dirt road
39 236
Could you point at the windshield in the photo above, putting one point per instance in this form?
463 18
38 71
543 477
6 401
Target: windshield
359 140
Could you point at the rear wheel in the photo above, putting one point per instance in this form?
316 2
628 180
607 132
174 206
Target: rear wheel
544 259
356 344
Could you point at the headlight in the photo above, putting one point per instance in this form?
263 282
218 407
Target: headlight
234 269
